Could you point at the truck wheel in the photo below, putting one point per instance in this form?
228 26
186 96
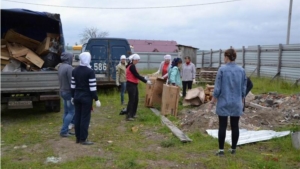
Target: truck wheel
52 106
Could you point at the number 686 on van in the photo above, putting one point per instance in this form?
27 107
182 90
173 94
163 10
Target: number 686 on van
100 66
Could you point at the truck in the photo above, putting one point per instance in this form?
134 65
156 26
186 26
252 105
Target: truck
106 53
19 90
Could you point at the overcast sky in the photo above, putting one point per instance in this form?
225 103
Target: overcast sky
237 24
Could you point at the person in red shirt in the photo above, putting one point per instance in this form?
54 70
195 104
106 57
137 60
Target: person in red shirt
164 67
133 78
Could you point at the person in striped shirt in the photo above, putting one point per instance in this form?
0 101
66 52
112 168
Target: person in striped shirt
84 91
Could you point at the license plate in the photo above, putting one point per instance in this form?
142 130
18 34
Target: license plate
20 104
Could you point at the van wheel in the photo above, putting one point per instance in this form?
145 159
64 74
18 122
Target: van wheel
52 106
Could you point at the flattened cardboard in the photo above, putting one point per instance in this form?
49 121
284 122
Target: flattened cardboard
170 99
157 91
35 59
12 36
44 46
149 91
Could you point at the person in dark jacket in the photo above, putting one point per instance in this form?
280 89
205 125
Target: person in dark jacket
65 74
133 78
84 91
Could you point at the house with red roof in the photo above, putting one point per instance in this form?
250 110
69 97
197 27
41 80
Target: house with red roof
153 46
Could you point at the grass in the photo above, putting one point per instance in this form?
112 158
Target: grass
150 145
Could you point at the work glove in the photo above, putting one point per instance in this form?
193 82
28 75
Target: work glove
146 78
117 83
98 103
149 82
194 81
72 101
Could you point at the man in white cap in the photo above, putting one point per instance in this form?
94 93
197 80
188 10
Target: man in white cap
133 78
84 91
121 76
164 66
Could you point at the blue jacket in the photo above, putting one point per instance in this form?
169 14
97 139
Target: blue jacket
174 76
230 89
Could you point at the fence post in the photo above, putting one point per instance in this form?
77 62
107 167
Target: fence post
220 57
279 58
211 57
243 53
202 64
148 65
258 60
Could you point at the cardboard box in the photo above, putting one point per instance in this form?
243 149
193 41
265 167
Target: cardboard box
12 36
170 100
5 54
157 92
24 55
35 59
44 46
4 62
149 92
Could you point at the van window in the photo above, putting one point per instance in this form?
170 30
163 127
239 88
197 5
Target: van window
117 51
99 52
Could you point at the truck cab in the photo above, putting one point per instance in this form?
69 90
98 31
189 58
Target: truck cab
106 53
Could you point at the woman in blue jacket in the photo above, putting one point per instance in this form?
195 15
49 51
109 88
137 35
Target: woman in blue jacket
174 73
229 93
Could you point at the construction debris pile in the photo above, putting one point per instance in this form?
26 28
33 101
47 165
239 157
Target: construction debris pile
21 53
265 111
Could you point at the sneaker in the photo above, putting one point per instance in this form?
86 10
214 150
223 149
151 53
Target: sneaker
220 153
86 143
65 135
71 133
130 119
232 151
136 116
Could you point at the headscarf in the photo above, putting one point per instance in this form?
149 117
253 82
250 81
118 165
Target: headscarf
122 57
131 58
175 62
167 57
85 59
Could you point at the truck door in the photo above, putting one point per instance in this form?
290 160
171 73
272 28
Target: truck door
117 49
99 61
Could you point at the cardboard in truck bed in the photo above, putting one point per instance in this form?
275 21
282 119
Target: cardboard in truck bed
45 45
157 91
12 36
4 53
24 55
170 100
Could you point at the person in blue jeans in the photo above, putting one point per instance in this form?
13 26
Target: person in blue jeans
65 74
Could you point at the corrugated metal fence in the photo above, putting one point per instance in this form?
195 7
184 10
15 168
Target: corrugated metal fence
267 60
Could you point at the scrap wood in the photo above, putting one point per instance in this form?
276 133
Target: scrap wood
257 106
178 133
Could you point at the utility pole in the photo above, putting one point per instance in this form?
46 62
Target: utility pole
289 23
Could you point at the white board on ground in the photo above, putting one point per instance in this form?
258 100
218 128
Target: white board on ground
247 136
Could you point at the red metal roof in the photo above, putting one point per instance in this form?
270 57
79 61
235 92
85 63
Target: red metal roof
153 46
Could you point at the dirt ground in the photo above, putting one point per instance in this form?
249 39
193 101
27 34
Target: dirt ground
282 110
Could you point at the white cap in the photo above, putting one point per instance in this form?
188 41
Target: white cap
167 57
122 57
136 57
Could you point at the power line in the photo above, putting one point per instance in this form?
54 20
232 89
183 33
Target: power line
123 8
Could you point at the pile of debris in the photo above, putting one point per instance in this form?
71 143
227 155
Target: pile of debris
21 53
282 110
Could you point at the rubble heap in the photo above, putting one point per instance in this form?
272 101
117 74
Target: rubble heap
276 110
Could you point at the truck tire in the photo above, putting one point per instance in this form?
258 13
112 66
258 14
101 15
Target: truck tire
52 106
